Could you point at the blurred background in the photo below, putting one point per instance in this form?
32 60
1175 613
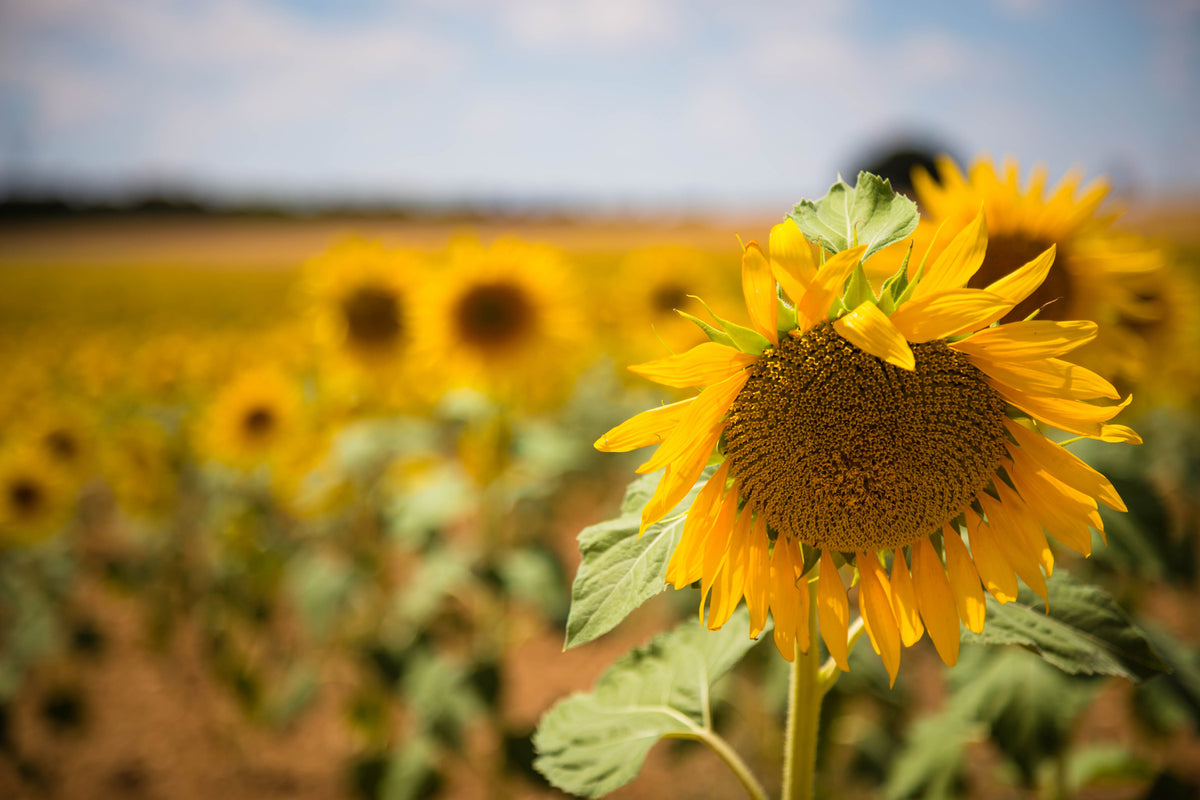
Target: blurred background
310 313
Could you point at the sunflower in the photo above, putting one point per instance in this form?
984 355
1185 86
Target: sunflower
35 497
502 319
1097 274
649 285
855 428
253 419
141 466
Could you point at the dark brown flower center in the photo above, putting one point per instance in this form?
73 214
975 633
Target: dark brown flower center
62 445
258 422
372 316
667 297
843 451
1008 252
25 496
491 316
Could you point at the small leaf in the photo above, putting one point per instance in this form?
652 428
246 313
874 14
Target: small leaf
1085 633
593 743
714 335
619 570
870 213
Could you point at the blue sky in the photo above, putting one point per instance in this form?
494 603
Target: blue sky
640 103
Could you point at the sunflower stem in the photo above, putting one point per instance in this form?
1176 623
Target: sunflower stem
732 760
805 693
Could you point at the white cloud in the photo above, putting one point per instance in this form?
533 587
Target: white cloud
591 25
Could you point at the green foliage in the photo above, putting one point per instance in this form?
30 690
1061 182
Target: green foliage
1085 633
619 570
1172 701
593 743
869 213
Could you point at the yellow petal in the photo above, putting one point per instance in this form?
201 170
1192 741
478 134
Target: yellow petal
1051 377
875 604
758 576
758 288
1119 433
964 580
833 611
1074 416
904 602
948 313
1029 340
715 549
785 599
958 263
678 479
827 286
935 600
791 259
1026 527
703 415
1008 537
731 583
685 565
1065 466
647 428
994 570
870 330
1021 283
1065 512
703 365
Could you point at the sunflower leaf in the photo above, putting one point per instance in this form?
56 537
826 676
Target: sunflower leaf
1085 633
619 570
592 743
869 213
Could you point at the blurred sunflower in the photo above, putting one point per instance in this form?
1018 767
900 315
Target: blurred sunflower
66 434
648 287
854 427
253 419
141 466
503 320
35 497
1096 272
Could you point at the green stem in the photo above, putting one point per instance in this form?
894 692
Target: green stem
805 692
727 754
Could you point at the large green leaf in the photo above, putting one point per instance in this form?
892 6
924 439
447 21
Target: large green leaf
620 571
869 213
1085 633
590 744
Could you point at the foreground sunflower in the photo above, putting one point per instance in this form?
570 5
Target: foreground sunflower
851 426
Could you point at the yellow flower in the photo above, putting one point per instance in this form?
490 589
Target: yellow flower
35 497
502 319
851 427
253 419
1097 273
141 466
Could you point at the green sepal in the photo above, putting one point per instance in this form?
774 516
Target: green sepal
785 319
714 335
894 286
744 339
858 289
869 213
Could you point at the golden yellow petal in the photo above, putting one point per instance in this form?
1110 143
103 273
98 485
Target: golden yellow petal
870 330
1074 416
833 611
1051 377
716 544
935 600
827 286
758 576
948 314
1065 466
700 418
1065 512
904 602
758 289
875 604
644 429
785 599
964 579
1028 340
1119 433
1008 537
731 583
678 479
1026 526
958 263
1020 283
994 570
791 259
703 365
685 565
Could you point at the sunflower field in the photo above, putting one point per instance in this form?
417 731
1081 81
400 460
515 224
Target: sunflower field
306 509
